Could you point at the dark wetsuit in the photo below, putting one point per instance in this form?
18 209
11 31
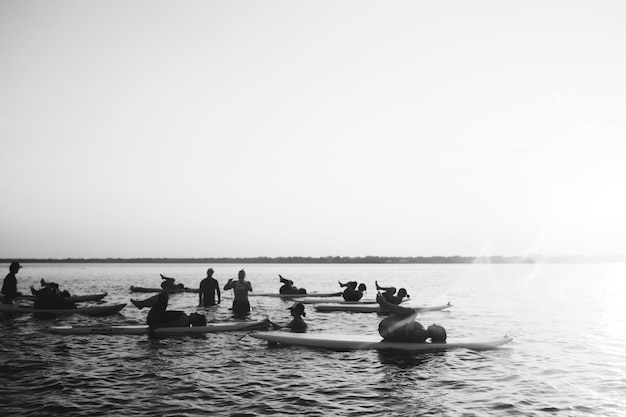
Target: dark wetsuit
350 294
208 288
159 315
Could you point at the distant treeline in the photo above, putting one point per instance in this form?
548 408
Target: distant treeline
342 260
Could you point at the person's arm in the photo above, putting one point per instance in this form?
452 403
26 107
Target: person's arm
248 285
392 308
219 296
200 293
230 284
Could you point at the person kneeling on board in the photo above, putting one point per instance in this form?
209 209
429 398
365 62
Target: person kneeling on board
352 293
289 288
159 316
402 327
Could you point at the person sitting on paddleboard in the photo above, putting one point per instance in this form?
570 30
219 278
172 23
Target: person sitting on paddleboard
390 294
241 287
51 297
159 316
288 287
45 284
352 293
9 285
208 288
170 283
297 312
401 326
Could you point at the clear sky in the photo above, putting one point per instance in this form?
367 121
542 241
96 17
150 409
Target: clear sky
312 128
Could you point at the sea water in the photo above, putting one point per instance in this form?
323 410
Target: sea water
568 356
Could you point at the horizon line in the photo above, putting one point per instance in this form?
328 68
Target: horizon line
339 259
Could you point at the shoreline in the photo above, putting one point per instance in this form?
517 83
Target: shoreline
341 260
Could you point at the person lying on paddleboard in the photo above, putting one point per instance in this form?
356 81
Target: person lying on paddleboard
401 326
208 288
50 297
159 315
45 284
9 285
297 312
241 287
170 283
289 288
352 293
390 294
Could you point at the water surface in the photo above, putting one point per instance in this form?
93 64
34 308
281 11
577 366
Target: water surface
567 358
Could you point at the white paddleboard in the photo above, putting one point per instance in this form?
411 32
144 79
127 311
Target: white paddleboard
320 300
314 294
372 308
344 342
144 329
169 290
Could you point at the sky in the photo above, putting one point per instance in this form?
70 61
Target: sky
312 128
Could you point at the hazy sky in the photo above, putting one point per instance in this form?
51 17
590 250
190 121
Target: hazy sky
312 128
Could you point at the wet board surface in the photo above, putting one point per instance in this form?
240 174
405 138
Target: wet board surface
372 308
315 294
169 291
144 329
364 342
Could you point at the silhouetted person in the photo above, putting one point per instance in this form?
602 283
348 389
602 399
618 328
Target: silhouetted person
209 287
288 287
159 316
9 285
170 283
352 293
389 293
297 312
401 326
241 287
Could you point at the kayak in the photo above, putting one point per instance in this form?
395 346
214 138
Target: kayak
73 298
371 308
314 294
343 342
169 291
89 311
144 329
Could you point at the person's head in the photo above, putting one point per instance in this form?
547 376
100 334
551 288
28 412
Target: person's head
362 287
14 267
209 272
402 293
242 275
437 333
297 310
